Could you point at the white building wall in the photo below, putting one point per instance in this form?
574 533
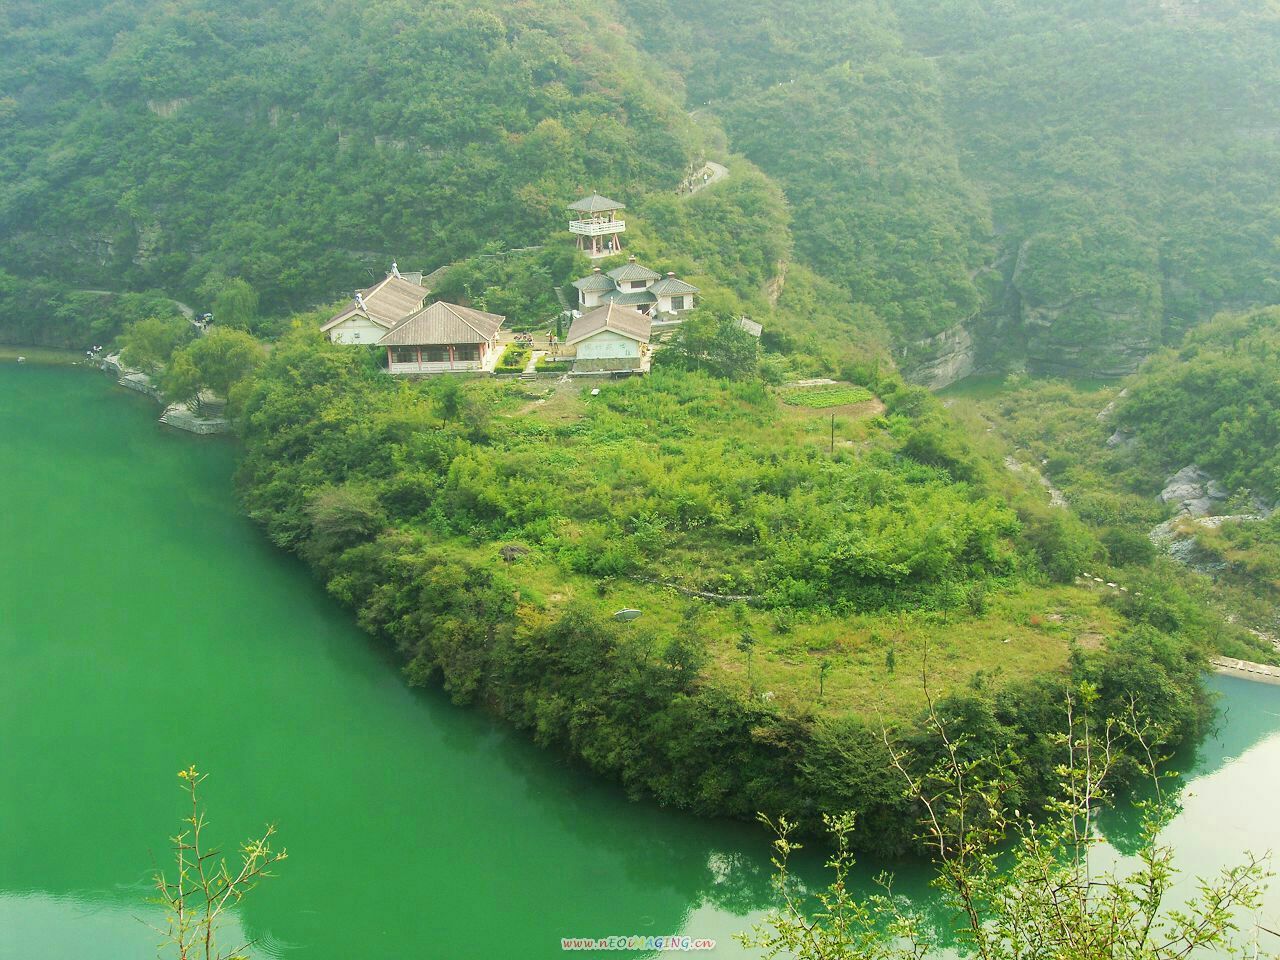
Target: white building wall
357 330
665 304
607 345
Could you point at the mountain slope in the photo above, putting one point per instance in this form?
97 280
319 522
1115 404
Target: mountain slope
300 144
1077 182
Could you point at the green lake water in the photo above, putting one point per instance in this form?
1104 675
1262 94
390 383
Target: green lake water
146 625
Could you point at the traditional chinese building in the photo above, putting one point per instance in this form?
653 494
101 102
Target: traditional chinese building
636 286
611 338
377 309
596 223
444 338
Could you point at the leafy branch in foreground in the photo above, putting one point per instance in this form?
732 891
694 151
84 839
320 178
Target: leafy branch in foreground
1022 887
205 886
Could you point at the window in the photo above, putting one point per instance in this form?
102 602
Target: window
466 351
677 303
404 355
435 354
637 284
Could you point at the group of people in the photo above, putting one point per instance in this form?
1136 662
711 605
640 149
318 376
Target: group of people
527 339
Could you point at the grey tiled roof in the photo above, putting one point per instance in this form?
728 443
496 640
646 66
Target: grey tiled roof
444 323
670 286
386 303
595 283
630 298
633 271
596 204
394 298
612 316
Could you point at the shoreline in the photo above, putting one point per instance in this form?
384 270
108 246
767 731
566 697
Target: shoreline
176 415
43 356
1246 670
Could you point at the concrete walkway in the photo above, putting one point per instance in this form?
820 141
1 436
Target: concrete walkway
713 172
1246 669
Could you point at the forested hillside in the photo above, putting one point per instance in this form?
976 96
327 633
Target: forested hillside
1066 185
1079 181
299 145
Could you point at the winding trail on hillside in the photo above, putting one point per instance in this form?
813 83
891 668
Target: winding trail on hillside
184 309
714 173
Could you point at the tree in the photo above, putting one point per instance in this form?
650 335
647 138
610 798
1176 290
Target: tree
1047 899
342 516
747 644
204 887
148 344
235 305
215 362
714 342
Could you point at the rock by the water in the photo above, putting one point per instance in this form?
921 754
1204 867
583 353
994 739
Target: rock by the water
182 417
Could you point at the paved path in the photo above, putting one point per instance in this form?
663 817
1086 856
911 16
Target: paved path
1246 669
714 173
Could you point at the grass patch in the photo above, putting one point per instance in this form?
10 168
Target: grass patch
820 398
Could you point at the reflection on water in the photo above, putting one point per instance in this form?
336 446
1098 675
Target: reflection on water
144 625
1228 796
117 924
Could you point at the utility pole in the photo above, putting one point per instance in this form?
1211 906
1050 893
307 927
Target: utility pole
833 433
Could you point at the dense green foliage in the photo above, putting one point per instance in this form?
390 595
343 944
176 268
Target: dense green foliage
296 144
481 533
48 314
1215 402
1093 177
1083 181
825 99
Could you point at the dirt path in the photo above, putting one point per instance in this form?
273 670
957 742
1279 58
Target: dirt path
186 311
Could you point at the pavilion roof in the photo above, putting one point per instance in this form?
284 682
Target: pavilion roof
595 283
596 204
444 323
633 271
672 286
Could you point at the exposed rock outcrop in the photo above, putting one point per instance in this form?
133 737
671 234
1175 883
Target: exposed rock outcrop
1121 440
1177 538
943 359
1194 492
1056 348
1105 413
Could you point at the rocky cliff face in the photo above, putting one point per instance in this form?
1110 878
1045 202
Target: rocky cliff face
943 359
1087 338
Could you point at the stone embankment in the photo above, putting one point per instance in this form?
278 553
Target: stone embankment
1246 669
180 416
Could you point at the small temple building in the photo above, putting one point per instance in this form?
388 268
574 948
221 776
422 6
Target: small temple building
444 338
610 339
595 222
636 286
377 309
